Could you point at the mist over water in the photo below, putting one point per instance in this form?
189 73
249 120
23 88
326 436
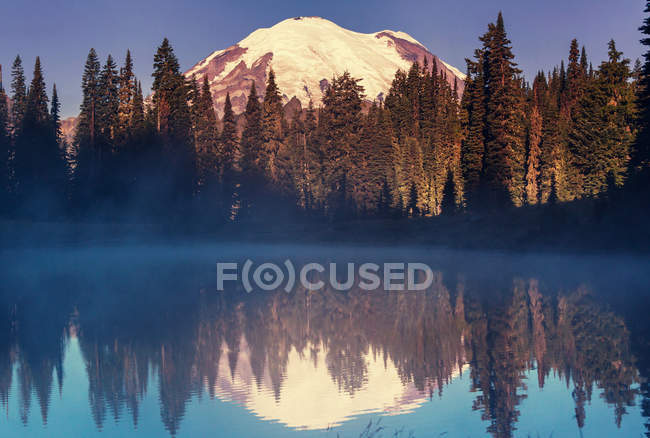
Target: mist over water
135 340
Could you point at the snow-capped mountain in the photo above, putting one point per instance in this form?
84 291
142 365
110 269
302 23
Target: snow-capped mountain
305 53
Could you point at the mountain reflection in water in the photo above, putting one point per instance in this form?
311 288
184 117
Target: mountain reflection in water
146 325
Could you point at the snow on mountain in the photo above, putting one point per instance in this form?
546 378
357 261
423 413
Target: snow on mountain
305 53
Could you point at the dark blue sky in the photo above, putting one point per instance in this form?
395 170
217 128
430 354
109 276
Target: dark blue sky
61 32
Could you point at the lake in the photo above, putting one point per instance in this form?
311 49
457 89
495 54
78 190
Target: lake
137 340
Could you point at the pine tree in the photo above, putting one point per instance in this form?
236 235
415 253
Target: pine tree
251 144
272 123
252 137
600 136
36 106
341 122
385 205
534 152
473 146
290 162
18 94
360 185
575 78
640 160
137 121
206 135
55 118
174 121
38 163
108 104
382 161
313 157
126 96
194 96
552 142
87 160
5 150
228 141
88 120
412 207
449 204
504 145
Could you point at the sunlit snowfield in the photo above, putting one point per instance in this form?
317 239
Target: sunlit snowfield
136 341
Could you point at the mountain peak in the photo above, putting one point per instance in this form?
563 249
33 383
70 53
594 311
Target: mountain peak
306 53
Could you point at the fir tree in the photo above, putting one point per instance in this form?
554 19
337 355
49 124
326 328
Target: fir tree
534 152
55 118
126 96
504 145
449 204
385 205
600 137
206 139
251 143
552 142
640 161
18 94
473 146
290 162
108 103
412 207
174 120
341 122
272 123
228 141
137 121
5 150
38 163
382 161
88 120
87 160
575 78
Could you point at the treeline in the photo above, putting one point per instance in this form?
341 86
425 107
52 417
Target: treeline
577 132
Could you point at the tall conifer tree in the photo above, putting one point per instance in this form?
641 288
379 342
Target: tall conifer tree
272 123
641 156
126 96
5 150
228 141
18 94
38 163
251 144
504 145
174 120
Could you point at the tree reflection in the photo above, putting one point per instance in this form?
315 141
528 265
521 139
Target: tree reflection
179 330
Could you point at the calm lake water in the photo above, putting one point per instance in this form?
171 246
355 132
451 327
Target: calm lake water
136 341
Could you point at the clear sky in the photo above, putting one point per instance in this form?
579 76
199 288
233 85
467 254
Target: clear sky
62 32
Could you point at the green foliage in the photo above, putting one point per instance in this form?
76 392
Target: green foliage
600 137
5 151
572 135
206 135
251 144
126 99
641 155
272 124
228 141
504 142
38 165
18 94
108 102
173 121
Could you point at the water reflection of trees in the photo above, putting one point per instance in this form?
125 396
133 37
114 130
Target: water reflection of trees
131 329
